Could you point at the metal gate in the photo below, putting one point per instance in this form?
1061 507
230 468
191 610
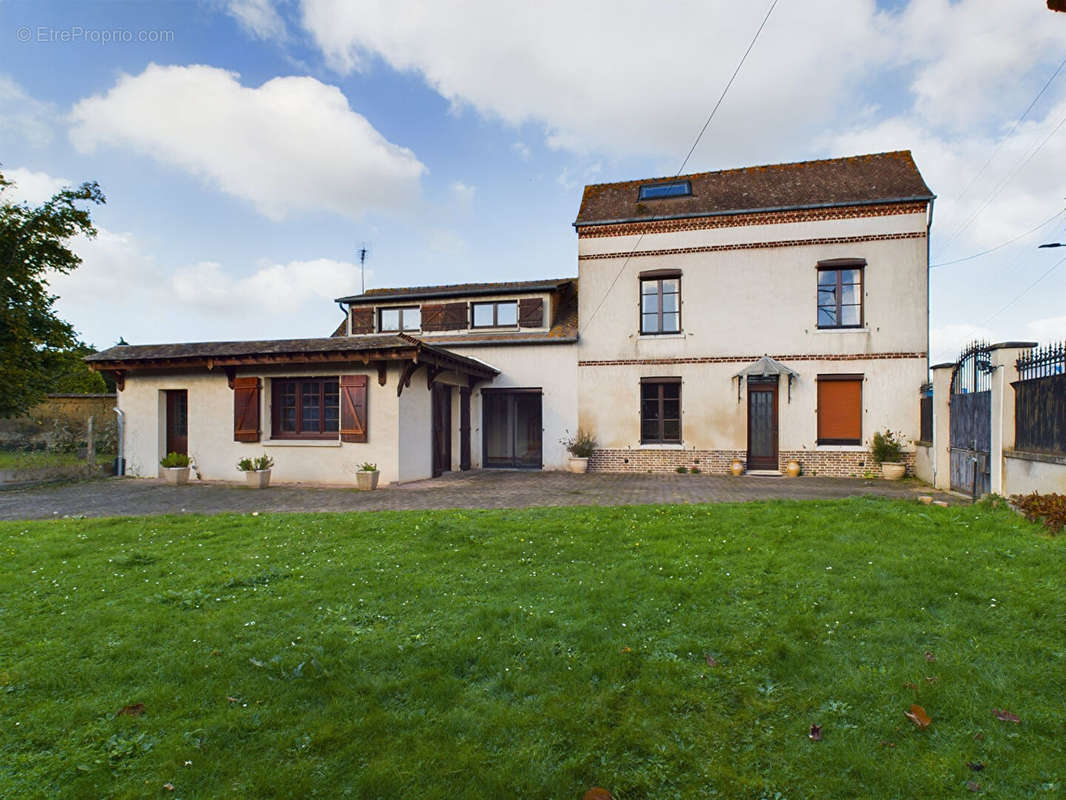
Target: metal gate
971 421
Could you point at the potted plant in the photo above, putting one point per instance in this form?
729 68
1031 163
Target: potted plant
367 477
736 466
887 450
175 468
580 447
256 470
793 468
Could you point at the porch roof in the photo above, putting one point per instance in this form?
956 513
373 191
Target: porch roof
766 367
304 352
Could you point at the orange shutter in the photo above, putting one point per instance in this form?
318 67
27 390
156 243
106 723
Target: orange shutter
840 411
246 409
353 408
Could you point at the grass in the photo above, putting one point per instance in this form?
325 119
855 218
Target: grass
534 654
31 459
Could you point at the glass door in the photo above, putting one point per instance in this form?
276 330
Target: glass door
511 425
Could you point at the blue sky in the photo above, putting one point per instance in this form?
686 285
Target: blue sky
248 148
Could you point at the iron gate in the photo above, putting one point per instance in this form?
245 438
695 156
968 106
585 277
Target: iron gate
971 421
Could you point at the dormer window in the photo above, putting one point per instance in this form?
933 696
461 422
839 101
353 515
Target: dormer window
654 191
394 320
500 314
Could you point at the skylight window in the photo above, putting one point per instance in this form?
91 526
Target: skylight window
653 191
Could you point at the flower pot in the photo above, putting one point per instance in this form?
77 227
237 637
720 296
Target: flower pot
579 465
367 481
893 470
178 476
257 478
736 467
793 469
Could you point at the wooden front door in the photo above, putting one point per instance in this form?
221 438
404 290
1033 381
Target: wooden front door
442 428
762 424
464 428
177 423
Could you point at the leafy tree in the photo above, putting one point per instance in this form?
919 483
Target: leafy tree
34 243
66 371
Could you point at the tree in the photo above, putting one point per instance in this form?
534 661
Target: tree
34 244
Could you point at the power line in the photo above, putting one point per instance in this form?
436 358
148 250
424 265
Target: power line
1026 290
691 150
999 246
1017 122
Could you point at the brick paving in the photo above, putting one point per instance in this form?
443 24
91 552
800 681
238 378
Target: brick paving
477 489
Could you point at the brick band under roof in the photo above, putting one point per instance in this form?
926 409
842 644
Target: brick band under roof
715 248
628 362
741 220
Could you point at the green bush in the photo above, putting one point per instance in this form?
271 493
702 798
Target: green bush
580 445
368 467
257 464
172 460
681 470
886 447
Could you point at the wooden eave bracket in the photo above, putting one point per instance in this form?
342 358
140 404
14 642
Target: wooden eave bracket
383 371
405 376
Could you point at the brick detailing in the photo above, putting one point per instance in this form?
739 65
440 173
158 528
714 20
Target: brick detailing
823 463
630 362
717 248
743 220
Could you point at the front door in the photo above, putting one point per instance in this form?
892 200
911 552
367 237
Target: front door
177 424
511 428
442 428
762 424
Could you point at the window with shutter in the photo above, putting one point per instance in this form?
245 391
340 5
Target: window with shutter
840 409
531 312
353 408
246 409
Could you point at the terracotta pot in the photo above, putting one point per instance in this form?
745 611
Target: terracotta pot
178 476
737 467
579 465
893 470
367 481
793 469
257 478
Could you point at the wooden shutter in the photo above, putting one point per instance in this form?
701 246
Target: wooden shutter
353 408
455 316
362 319
531 312
433 317
246 409
839 409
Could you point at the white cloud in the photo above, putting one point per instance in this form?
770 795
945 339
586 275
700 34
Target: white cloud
1048 329
22 118
291 145
32 187
259 18
947 341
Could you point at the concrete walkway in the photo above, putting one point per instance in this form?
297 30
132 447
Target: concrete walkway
477 489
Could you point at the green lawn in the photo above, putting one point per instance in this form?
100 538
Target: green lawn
535 654
20 459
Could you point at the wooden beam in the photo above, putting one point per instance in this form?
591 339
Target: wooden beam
120 379
405 377
383 371
231 374
431 374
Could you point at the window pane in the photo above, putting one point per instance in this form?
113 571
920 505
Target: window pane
671 391
849 315
827 317
482 314
649 409
827 277
649 287
671 286
650 303
849 275
671 302
672 431
849 293
650 323
649 431
390 319
671 409
412 319
649 391
332 406
310 399
507 313
287 407
671 323
827 297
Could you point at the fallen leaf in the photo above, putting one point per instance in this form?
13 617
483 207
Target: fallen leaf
169 787
711 661
929 655
931 679
596 793
973 786
815 734
134 710
1005 716
918 716
976 766
626 650
909 685
977 737
232 699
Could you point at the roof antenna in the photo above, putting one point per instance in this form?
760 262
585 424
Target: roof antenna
362 269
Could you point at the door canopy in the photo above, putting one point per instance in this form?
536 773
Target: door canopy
765 367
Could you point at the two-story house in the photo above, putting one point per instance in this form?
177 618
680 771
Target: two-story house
765 314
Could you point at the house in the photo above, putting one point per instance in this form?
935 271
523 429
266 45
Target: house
767 314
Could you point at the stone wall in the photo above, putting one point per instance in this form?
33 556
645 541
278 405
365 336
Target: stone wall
825 463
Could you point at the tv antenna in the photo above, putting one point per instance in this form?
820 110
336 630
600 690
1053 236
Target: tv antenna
362 269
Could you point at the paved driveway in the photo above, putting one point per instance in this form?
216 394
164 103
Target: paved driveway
478 489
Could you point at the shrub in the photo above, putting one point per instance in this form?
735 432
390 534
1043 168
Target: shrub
579 445
1050 509
257 464
172 460
694 470
681 470
368 467
886 447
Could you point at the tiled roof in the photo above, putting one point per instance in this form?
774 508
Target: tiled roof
857 180
454 290
563 328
